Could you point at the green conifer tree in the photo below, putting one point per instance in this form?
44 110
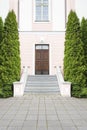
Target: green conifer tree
84 40
1 29
1 38
74 67
11 54
84 37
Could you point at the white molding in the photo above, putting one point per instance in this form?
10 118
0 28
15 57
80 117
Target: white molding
43 32
34 58
50 67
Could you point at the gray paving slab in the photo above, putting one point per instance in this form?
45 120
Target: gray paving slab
4 122
14 128
18 123
41 117
42 128
32 117
53 123
54 128
3 128
43 112
30 123
28 128
69 128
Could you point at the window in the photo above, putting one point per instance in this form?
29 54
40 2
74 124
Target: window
42 10
42 47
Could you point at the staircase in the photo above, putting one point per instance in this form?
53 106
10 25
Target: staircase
42 83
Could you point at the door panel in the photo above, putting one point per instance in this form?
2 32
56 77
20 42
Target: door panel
41 61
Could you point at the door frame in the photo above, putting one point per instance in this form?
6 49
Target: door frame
35 57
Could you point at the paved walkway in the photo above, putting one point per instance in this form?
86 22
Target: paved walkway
43 112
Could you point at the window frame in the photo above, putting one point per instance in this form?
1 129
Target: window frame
42 20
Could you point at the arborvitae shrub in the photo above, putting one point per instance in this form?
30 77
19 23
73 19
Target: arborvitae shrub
84 40
10 54
1 38
74 67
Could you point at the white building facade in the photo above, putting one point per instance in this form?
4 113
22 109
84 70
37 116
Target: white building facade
42 26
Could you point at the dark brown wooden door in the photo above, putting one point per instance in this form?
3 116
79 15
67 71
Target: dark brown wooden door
41 61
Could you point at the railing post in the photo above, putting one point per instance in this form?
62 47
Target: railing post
18 87
65 87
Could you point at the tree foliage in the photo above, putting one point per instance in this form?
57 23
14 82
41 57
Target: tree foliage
74 67
84 38
1 38
1 29
10 54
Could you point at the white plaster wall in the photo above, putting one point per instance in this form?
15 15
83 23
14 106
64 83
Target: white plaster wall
4 7
58 15
70 5
56 49
81 8
13 5
25 15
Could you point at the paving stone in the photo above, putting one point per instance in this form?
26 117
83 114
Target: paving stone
42 128
51 112
69 128
52 117
17 123
8 116
28 128
33 112
75 116
44 112
3 128
54 128
65 116
31 117
60 112
4 122
20 117
53 123
12 112
22 112
80 122
42 117
14 128
82 128
30 123
66 122
42 123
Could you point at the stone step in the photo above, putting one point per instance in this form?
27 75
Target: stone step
45 92
41 88
42 91
42 83
48 82
41 78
